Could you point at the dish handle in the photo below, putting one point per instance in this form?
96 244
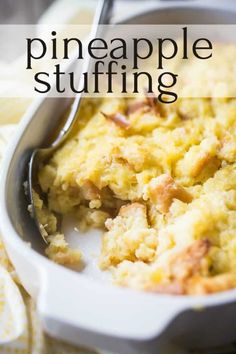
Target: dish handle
85 312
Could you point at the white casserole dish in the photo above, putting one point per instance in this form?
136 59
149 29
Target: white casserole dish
76 307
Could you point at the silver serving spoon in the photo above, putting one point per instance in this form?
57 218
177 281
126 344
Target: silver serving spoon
102 16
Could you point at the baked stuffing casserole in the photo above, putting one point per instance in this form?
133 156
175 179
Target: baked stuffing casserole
160 179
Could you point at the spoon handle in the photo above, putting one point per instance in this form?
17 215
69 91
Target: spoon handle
102 16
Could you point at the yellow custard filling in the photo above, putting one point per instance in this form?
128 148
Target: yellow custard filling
161 181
